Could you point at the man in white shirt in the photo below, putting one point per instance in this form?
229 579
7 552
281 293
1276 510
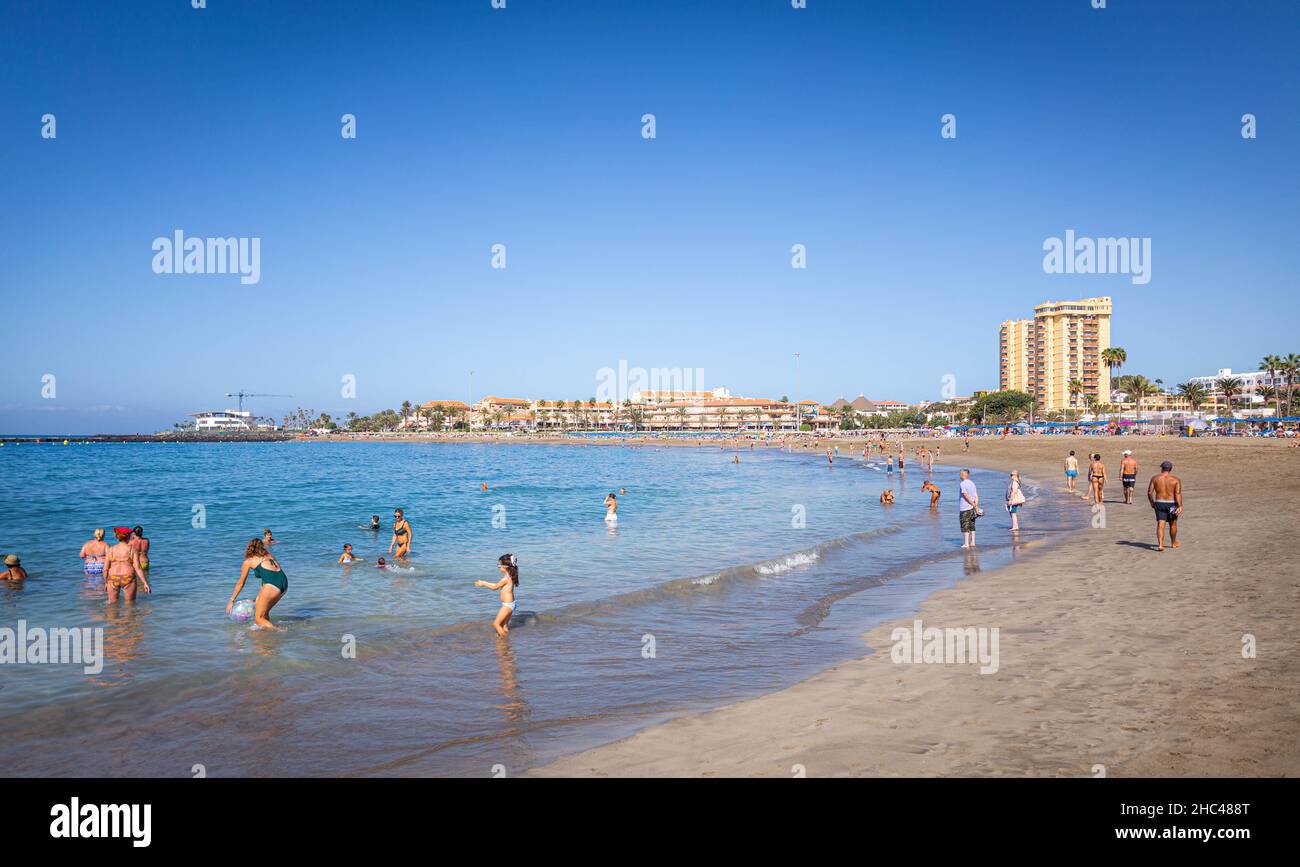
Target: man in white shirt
968 500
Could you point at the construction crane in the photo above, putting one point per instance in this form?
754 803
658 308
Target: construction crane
243 394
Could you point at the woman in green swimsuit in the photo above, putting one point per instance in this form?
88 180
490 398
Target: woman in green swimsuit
259 561
401 535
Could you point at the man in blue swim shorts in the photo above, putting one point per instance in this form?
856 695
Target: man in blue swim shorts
1071 471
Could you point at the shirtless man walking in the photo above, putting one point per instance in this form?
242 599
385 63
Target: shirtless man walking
1165 494
1128 474
1071 471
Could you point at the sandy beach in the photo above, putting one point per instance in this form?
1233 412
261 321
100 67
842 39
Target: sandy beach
1114 658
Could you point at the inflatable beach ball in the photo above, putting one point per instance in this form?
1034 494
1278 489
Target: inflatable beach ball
243 611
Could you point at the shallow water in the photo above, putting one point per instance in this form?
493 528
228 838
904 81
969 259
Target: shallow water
707 592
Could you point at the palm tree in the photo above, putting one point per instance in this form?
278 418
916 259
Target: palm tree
1272 364
1075 387
1193 392
1231 387
1268 393
559 411
1290 370
680 409
1113 357
1140 387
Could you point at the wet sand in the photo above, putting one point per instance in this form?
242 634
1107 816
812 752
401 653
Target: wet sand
1111 653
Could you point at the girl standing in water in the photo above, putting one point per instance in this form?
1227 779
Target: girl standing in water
275 584
402 535
509 566
611 509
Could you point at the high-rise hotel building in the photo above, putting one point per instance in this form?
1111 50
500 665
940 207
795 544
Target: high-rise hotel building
1061 343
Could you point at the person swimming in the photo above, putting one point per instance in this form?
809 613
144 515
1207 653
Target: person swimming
382 564
402 535
374 523
14 570
94 552
611 509
267 538
258 561
347 556
509 566
887 497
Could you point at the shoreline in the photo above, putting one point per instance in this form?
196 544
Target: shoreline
1112 654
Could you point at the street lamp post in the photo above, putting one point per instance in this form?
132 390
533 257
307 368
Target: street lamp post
798 406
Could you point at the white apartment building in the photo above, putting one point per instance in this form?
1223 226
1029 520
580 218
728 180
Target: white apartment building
222 420
1251 382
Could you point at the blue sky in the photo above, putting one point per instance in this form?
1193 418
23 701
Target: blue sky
522 126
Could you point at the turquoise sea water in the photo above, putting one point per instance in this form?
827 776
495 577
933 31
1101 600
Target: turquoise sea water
708 591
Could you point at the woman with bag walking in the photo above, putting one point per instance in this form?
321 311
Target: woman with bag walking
1015 499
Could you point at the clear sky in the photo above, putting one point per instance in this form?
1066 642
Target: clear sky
522 127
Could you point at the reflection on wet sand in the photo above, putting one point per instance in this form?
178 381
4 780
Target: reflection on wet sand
123 626
513 705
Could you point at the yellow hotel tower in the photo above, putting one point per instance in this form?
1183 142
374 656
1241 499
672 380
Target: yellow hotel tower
1063 341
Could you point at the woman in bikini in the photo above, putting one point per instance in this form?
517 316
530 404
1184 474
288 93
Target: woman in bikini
509 566
611 509
141 546
1096 477
94 552
122 568
402 535
258 560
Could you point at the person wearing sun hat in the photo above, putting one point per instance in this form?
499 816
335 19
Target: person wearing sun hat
123 568
15 572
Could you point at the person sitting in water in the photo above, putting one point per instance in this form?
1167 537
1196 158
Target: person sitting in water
887 497
509 566
15 570
267 539
934 493
94 552
382 564
347 556
141 546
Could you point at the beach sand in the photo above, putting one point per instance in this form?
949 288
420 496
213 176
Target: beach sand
1111 653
